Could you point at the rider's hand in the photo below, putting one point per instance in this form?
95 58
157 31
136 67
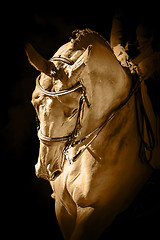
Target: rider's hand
123 58
121 55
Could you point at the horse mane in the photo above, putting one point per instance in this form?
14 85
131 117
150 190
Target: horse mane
86 36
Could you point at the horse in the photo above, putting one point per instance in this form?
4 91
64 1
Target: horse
97 130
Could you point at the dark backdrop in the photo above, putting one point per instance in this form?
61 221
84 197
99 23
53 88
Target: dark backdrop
29 209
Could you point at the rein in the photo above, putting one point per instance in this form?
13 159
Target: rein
71 139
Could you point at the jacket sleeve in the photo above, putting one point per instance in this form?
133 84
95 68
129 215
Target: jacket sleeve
117 35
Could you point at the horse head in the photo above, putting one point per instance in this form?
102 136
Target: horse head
86 60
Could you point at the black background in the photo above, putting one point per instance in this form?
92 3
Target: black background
28 207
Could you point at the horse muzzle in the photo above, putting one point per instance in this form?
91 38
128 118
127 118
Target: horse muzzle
50 164
45 173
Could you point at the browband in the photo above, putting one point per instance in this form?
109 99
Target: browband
62 59
59 93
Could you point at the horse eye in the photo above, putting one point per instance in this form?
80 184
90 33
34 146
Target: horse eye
67 112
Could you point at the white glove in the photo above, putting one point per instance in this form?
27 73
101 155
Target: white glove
123 58
121 55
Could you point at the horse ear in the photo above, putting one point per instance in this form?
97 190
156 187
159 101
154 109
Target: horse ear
80 62
38 61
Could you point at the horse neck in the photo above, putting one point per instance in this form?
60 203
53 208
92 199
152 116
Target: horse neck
108 88
122 125
102 107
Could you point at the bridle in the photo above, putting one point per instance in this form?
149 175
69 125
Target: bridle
71 140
